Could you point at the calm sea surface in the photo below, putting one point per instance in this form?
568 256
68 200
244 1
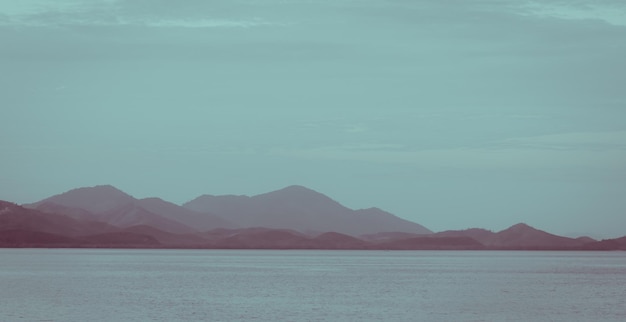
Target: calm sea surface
217 285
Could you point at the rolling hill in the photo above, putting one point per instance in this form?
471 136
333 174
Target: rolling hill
301 209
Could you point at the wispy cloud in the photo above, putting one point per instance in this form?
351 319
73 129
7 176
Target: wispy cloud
112 13
356 128
611 12
596 150
65 20
206 23
585 141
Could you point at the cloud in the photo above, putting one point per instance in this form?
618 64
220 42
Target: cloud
588 141
568 150
610 12
356 128
207 23
67 20
111 13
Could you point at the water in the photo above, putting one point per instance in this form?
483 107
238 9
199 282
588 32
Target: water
216 285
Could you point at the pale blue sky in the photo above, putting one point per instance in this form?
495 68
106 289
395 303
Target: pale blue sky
453 114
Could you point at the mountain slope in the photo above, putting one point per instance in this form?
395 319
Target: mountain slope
432 243
23 227
14 217
524 236
519 236
113 206
607 244
481 235
302 209
132 215
96 200
50 207
199 221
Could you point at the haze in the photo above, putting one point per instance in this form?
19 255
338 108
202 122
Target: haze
452 114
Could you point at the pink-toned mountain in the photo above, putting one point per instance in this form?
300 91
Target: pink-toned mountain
14 217
112 206
302 209
294 217
22 227
96 200
519 236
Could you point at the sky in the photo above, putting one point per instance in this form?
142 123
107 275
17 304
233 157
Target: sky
452 114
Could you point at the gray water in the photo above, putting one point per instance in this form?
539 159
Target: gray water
220 285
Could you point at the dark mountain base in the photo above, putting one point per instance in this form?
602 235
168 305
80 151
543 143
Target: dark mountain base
261 238
26 227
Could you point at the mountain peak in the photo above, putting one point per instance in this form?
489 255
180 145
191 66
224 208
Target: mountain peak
521 226
298 194
524 236
296 189
96 199
99 189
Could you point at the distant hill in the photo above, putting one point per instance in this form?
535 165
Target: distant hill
607 244
198 221
112 206
23 227
294 207
291 218
133 214
519 236
302 209
167 238
95 200
18 238
121 239
387 236
431 243
524 236
333 240
18 218
54 208
479 234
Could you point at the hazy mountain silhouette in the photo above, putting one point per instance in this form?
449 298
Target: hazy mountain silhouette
167 238
302 209
607 244
96 200
23 227
28 238
264 238
295 207
524 236
291 218
14 217
259 238
132 214
481 235
333 240
199 221
123 239
387 236
432 243
115 207
54 208
585 239
519 236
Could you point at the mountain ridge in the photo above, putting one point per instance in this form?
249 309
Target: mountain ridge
292 217
23 227
303 209
108 204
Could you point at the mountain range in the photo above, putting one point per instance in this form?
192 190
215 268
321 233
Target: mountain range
291 218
